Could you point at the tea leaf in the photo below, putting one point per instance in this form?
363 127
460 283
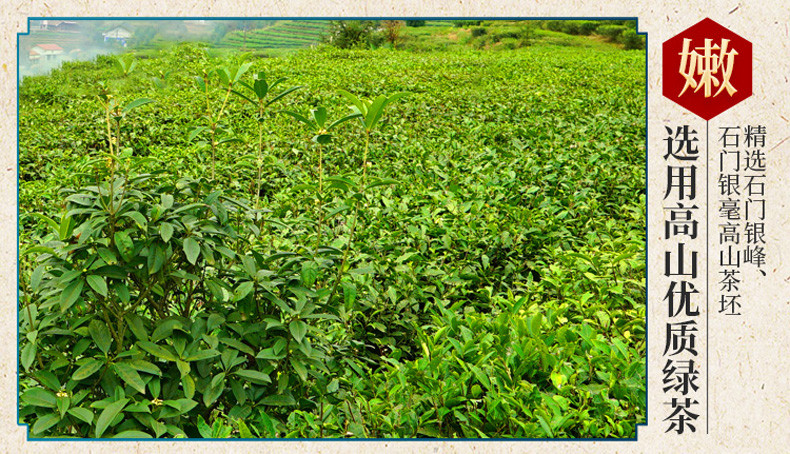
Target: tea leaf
98 284
39 398
129 375
253 376
298 329
191 249
137 103
70 294
108 415
278 400
83 414
45 422
100 335
86 370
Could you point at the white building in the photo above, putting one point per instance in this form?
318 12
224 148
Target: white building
45 52
117 33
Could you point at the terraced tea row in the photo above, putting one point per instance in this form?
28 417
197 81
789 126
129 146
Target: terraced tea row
284 34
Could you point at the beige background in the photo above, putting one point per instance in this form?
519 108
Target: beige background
749 385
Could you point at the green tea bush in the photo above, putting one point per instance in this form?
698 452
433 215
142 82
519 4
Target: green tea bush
611 32
42 90
478 31
632 40
553 25
510 43
163 316
466 23
576 27
483 41
507 34
587 27
571 27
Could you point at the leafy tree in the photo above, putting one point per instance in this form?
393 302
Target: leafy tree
351 33
145 35
393 31
219 32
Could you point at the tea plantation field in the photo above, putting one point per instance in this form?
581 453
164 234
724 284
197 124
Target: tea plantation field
281 35
433 244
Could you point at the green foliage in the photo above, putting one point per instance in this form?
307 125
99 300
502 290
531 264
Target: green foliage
144 35
415 23
127 63
509 38
466 23
479 31
370 111
632 40
553 25
166 319
615 31
510 43
349 34
465 262
219 32
611 32
575 27
258 95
